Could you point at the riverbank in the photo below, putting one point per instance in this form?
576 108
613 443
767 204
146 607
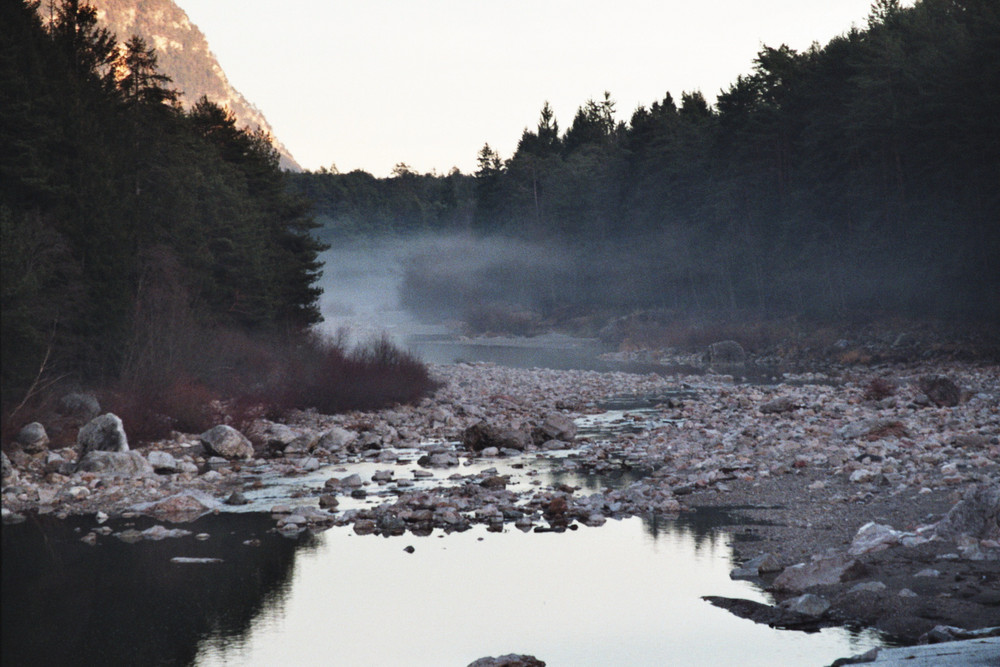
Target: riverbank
813 457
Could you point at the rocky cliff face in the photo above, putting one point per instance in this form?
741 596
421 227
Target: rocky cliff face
184 56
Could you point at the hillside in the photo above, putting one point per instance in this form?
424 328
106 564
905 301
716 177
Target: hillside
183 54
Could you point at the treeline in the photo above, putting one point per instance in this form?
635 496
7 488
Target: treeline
358 204
860 177
134 232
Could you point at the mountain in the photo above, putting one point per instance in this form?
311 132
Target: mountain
184 56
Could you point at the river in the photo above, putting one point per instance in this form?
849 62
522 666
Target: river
626 593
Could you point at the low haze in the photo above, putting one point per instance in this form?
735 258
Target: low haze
368 85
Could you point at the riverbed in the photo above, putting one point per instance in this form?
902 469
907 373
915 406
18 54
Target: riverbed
626 590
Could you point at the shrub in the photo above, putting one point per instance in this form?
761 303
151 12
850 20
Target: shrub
878 389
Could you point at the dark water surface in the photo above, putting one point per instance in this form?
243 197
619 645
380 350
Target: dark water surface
627 593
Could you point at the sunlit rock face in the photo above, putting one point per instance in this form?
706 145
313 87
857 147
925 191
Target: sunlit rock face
183 54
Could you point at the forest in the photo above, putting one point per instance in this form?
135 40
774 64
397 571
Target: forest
852 180
150 252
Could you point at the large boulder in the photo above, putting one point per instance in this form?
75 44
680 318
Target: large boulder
481 435
940 390
79 407
115 464
509 660
179 508
336 439
977 515
32 438
102 434
163 462
726 352
227 442
271 436
556 426
874 537
827 570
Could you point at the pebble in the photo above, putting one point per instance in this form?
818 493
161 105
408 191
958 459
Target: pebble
827 431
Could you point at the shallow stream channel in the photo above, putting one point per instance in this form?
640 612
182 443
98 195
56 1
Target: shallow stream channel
234 591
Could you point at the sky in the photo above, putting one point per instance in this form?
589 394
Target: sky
368 84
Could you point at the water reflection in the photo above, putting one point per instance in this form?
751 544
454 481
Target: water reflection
626 593
67 603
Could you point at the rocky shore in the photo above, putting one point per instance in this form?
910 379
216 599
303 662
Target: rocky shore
871 495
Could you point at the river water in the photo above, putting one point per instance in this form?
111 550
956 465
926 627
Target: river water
626 593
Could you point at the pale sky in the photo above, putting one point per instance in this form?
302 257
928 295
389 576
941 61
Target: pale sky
370 83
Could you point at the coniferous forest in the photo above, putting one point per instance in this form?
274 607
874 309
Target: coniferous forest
146 248
854 179
150 246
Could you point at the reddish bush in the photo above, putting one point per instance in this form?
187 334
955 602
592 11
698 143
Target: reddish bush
331 379
233 377
878 389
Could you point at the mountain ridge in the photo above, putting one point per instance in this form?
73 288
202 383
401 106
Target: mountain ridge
184 55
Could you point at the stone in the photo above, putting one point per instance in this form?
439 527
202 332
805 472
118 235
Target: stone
867 587
818 572
272 436
369 440
864 476
225 441
104 433
79 406
382 476
873 537
301 445
328 501
754 567
10 516
364 526
158 532
336 439
237 498
555 426
32 438
940 390
438 460
9 474
778 406
350 481
495 482
971 441
873 429
977 515
115 464
870 655
178 508
162 462
808 604
130 536
726 352
481 435
509 660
